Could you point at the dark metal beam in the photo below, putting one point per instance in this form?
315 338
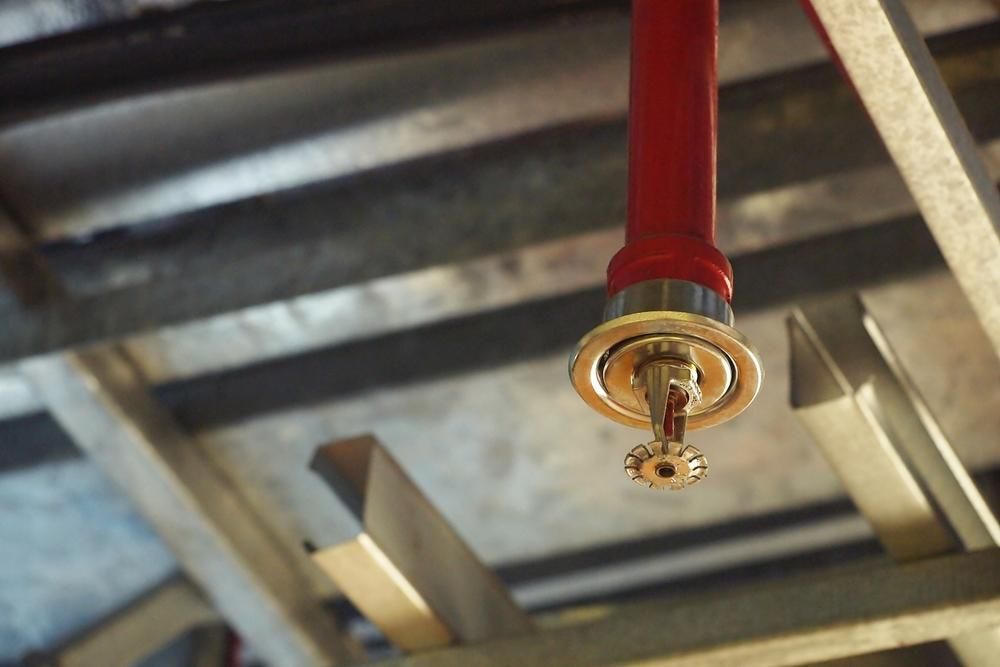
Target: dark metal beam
209 41
508 196
466 205
261 585
215 40
433 321
444 304
775 277
22 266
788 623
158 156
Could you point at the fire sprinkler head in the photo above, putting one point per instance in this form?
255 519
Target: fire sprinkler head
668 359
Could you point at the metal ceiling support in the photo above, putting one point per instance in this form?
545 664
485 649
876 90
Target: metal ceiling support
22 265
691 567
236 139
136 631
568 270
216 41
856 360
101 400
297 323
134 288
408 571
896 78
127 57
850 391
790 622
140 288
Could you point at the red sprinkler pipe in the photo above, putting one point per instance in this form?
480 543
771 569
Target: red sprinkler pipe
673 113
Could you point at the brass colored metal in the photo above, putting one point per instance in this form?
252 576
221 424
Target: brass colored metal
604 365
667 358
673 466
669 389
624 371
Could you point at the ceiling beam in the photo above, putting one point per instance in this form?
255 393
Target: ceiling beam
155 157
260 585
897 79
791 622
472 204
851 392
138 630
208 41
426 314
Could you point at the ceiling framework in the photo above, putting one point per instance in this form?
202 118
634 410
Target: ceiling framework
896 77
259 585
851 392
213 268
196 273
794 622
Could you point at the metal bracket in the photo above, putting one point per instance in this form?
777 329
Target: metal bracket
407 570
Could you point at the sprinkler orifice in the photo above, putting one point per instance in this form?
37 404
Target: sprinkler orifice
667 357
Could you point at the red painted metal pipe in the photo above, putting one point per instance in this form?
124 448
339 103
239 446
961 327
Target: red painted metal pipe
673 112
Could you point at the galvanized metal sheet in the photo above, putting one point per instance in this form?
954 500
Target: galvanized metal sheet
256 584
896 77
788 623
